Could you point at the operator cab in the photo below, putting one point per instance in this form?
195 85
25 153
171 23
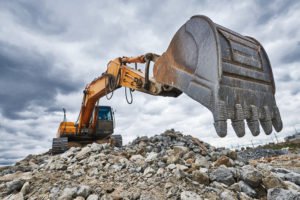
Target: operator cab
105 121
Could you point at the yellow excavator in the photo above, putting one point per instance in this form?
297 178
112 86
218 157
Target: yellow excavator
228 73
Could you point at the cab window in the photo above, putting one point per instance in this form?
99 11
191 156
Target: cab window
104 114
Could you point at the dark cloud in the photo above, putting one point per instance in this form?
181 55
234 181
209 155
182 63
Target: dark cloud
293 55
34 16
28 77
270 11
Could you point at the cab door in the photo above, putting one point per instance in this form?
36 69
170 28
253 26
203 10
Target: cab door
105 121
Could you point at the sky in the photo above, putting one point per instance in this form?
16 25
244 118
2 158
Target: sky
50 50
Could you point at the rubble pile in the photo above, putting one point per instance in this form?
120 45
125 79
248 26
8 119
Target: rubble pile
256 153
166 166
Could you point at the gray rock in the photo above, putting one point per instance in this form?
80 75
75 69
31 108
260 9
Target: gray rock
68 194
83 190
281 194
14 185
181 167
223 175
200 177
54 192
202 162
17 196
117 166
293 177
251 176
151 157
93 197
179 174
271 181
106 197
79 198
96 147
291 186
228 195
244 187
25 188
180 150
189 195
171 166
135 158
149 172
83 153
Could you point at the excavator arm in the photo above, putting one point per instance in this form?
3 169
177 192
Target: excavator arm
117 75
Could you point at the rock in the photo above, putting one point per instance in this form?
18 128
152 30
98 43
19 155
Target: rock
179 174
25 188
83 190
14 185
93 197
272 181
281 194
68 194
251 176
244 196
149 172
151 157
202 162
171 166
54 192
228 195
137 158
223 160
253 154
95 147
293 177
160 171
83 153
232 155
291 186
222 175
18 196
180 150
172 159
244 187
189 195
181 167
117 167
203 170
200 177
79 198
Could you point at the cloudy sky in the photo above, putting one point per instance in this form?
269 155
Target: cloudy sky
49 51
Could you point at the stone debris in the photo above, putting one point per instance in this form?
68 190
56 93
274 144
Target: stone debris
166 166
256 153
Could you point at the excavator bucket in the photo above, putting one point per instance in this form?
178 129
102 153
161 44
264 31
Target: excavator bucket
228 73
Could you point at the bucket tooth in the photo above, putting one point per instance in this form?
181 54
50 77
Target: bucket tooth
239 128
265 121
220 116
276 120
254 127
252 122
238 122
221 128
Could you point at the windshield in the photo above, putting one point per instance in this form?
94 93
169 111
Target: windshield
104 113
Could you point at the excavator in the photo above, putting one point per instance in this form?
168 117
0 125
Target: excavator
228 73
